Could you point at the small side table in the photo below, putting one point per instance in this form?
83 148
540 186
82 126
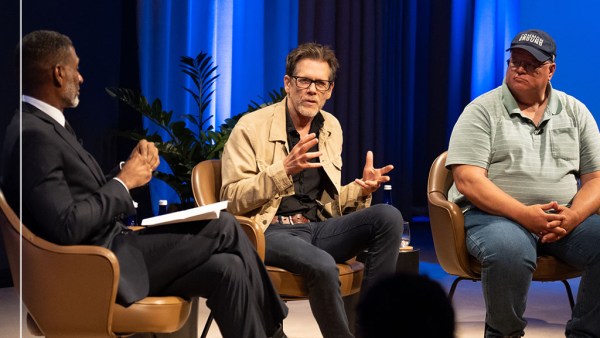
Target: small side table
408 260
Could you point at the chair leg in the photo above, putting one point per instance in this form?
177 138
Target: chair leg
453 287
207 325
569 293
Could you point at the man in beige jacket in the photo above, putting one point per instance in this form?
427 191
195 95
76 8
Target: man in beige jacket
282 166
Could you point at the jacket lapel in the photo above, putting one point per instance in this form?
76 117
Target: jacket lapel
70 139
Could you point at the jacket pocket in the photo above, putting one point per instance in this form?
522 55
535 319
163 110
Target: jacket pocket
337 163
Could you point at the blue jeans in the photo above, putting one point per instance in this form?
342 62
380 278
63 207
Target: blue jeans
508 253
313 249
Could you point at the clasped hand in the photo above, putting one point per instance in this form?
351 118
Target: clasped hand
554 225
143 160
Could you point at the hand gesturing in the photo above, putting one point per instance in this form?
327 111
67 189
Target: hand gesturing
299 157
373 177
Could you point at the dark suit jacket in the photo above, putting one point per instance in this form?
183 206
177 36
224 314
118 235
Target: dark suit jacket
66 198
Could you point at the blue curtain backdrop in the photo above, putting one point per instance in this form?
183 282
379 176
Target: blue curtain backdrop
374 97
408 68
248 41
574 26
480 33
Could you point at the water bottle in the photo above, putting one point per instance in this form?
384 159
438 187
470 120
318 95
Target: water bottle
132 219
162 207
387 194
405 237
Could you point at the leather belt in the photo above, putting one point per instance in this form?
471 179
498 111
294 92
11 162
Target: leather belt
292 219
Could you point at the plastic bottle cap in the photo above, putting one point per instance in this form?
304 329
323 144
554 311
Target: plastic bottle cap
162 202
387 187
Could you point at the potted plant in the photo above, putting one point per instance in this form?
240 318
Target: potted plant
185 147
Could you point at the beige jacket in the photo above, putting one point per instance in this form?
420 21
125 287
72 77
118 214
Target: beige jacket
254 179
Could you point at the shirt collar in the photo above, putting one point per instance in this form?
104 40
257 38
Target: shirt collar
53 112
315 125
552 108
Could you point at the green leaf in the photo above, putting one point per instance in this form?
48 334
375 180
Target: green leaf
185 147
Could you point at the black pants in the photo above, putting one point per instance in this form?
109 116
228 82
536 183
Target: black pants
214 260
313 249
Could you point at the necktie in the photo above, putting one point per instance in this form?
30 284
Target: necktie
70 129
92 163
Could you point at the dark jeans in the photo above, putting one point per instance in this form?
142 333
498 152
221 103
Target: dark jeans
214 260
313 249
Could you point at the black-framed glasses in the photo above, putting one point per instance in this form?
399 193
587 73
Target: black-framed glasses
304 83
528 66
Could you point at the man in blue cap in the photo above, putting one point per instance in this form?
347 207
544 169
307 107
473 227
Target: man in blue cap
526 163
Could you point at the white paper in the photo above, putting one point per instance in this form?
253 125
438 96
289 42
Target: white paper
211 211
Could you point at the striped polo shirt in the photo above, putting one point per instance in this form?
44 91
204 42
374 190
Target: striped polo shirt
533 164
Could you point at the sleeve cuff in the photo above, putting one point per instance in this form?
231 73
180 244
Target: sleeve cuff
281 179
122 183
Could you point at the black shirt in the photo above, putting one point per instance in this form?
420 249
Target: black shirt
308 184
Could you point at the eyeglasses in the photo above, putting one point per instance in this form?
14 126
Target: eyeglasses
304 83
528 66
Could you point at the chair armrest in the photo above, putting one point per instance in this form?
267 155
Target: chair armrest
254 233
83 280
32 326
448 232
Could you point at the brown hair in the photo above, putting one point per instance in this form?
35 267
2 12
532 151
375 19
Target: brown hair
313 51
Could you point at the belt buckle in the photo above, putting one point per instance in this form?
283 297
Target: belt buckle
289 220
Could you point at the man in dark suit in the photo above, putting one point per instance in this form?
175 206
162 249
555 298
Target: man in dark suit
67 200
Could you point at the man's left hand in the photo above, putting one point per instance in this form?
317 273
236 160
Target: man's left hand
148 152
373 177
570 222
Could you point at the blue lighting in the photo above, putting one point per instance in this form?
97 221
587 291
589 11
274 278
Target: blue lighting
248 41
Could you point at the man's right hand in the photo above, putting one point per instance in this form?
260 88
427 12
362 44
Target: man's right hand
299 157
539 219
136 171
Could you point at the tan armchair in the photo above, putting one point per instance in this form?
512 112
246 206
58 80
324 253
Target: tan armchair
206 185
448 231
70 291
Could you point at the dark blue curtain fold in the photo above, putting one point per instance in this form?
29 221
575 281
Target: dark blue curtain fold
408 67
405 77
248 41
382 90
